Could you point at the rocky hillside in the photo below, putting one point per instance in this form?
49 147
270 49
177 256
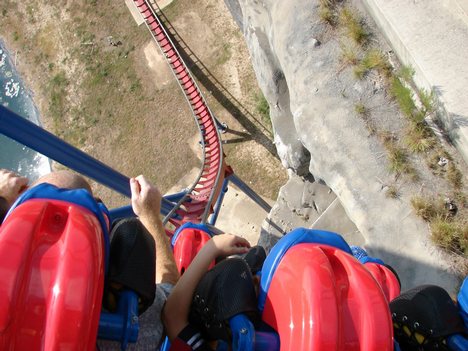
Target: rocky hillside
341 115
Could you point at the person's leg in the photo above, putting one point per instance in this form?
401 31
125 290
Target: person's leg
132 262
64 179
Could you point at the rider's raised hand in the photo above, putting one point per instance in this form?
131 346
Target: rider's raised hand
146 198
229 244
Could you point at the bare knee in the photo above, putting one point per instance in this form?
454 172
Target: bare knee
65 179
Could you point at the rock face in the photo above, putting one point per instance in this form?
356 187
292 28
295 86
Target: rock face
317 132
303 202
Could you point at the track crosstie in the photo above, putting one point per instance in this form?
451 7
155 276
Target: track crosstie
198 204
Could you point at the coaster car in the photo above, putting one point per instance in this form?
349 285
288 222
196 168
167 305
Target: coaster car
314 295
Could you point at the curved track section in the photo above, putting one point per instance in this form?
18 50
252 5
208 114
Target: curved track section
198 204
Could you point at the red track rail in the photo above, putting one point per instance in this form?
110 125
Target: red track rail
199 202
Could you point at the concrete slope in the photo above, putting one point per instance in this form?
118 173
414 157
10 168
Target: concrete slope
432 37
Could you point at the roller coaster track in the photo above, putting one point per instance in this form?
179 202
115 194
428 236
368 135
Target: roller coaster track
197 205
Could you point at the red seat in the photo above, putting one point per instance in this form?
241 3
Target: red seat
52 276
386 279
321 298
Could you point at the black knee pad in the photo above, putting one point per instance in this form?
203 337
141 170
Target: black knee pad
131 264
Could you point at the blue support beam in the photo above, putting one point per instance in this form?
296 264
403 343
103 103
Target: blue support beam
219 202
249 192
40 140
27 133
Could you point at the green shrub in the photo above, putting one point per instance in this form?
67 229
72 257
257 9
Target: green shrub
406 73
403 96
427 100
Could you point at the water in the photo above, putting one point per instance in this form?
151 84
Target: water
17 98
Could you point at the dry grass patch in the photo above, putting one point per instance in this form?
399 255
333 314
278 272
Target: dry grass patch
363 112
454 176
447 230
349 54
361 109
354 26
373 59
418 138
327 12
450 235
392 192
399 162
429 208
327 16
397 156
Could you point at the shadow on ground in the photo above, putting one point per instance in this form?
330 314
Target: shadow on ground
261 134
413 273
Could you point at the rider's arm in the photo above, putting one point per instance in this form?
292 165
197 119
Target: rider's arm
146 203
177 308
